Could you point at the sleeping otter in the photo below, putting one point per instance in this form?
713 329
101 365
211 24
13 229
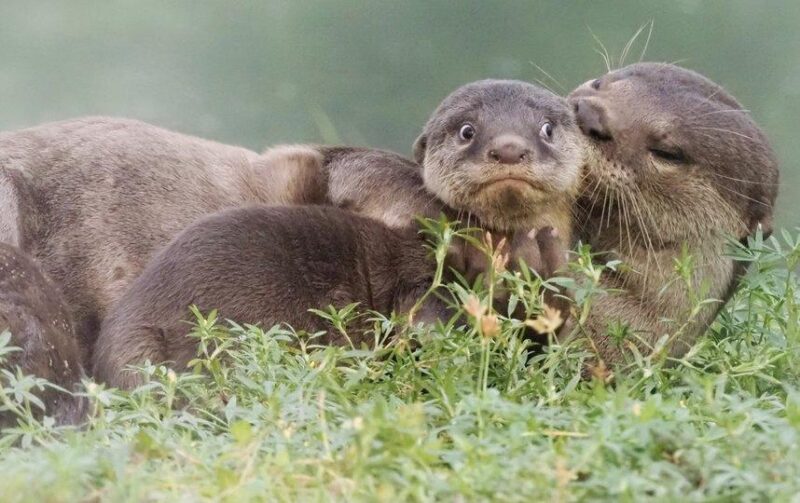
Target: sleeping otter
673 161
268 265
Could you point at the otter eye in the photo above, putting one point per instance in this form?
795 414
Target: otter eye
467 132
674 156
547 131
595 84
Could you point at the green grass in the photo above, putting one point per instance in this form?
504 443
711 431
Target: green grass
459 417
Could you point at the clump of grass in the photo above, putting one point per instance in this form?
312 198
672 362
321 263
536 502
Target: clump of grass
446 412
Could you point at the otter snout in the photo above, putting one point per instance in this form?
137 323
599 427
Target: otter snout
508 149
592 118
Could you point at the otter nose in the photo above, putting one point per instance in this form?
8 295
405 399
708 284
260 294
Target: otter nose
508 150
592 119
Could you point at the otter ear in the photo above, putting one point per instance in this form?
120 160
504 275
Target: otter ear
419 148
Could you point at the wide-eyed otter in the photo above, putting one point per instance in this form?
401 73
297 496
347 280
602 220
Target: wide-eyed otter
505 151
268 265
33 310
673 163
502 153
93 199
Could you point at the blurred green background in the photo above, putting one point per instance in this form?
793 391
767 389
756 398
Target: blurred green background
261 72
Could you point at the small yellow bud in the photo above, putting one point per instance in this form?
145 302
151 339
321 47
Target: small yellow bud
490 326
547 322
473 307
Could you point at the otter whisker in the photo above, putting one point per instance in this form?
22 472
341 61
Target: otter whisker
649 248
628 46
593 197
647 42
730 110
611 199
541 83
722 130
740 180
744 196
626 212
704 101
603 211
553 79
603 54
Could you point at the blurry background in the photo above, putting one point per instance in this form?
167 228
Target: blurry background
256 73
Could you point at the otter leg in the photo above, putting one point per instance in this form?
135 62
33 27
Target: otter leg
122 345
544 252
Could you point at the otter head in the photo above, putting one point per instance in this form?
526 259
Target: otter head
503 151
673 154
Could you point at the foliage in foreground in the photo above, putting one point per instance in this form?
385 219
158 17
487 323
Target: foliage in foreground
463 415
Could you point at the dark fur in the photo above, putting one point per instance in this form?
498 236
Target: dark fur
263 265
643 209
33 310
93 199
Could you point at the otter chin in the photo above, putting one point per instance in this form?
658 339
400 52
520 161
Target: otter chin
673 163
516 200
511 188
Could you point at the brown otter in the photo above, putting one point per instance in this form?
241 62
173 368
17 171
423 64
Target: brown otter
504 155
673 162
93 199
266 265
507 152
33 310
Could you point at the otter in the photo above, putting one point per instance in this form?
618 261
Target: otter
502 155
34 312
267 265
507 152
93 199
673 163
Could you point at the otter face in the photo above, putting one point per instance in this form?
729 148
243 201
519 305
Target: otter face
501 150
672 153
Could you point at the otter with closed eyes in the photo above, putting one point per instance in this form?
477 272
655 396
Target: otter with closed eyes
268 265
674 163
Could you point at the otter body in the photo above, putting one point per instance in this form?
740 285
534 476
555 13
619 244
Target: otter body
262 265
93 199
33 310
673 163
